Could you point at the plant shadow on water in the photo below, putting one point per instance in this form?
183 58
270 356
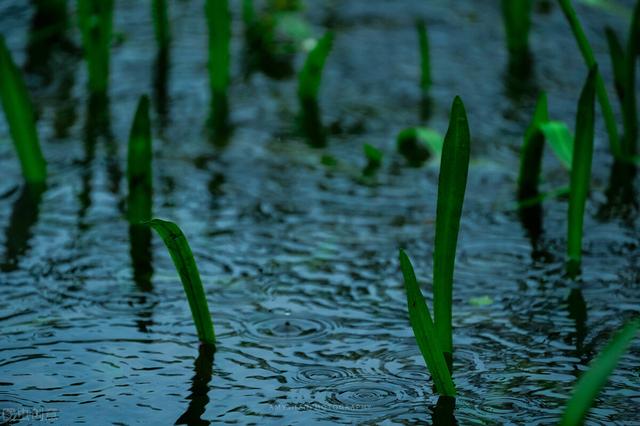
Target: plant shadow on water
24 216
199 396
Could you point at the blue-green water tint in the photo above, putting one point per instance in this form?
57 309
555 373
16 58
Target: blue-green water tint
307 334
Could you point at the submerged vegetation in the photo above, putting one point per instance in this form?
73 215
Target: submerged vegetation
19 114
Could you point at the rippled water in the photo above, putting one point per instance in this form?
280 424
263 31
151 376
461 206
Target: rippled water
298 258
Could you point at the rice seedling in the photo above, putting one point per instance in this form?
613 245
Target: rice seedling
594 379
436 338
139 174
624 69
374 159
273 36
452 182
559 139
95 19
20 117
425 63
309 80
531 152
516 15
419 144
161 26
581 169
219 24
425 331
185 264
617 149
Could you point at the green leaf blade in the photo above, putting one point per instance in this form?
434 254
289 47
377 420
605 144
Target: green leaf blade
581 167
452 182
531 151
594 379
425 61
424 331
19 114
590 61
185 264
139 172
95 19
310 76
559 138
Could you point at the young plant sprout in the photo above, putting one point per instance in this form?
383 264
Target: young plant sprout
594 379
516 15
139 173
219 23
581 169
161 26
425 63
624 70
617 149
425 331
531 152
452 182
185 264
436 339
374 159
418 144
95 18
19 114
309 80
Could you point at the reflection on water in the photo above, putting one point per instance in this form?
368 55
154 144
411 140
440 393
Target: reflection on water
24 216
199 396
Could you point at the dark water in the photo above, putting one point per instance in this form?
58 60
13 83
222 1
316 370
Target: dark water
299 258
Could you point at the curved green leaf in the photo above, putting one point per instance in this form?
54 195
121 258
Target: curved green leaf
594 379
182 256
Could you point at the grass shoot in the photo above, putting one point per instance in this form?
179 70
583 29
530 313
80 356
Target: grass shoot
624 71
531 152
419 144
219 24
425 63
139 174
95 18
516 15
617 149
425 331
20 117
161 27
185 264
309 79
374 159
581 169
594 379
452 182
